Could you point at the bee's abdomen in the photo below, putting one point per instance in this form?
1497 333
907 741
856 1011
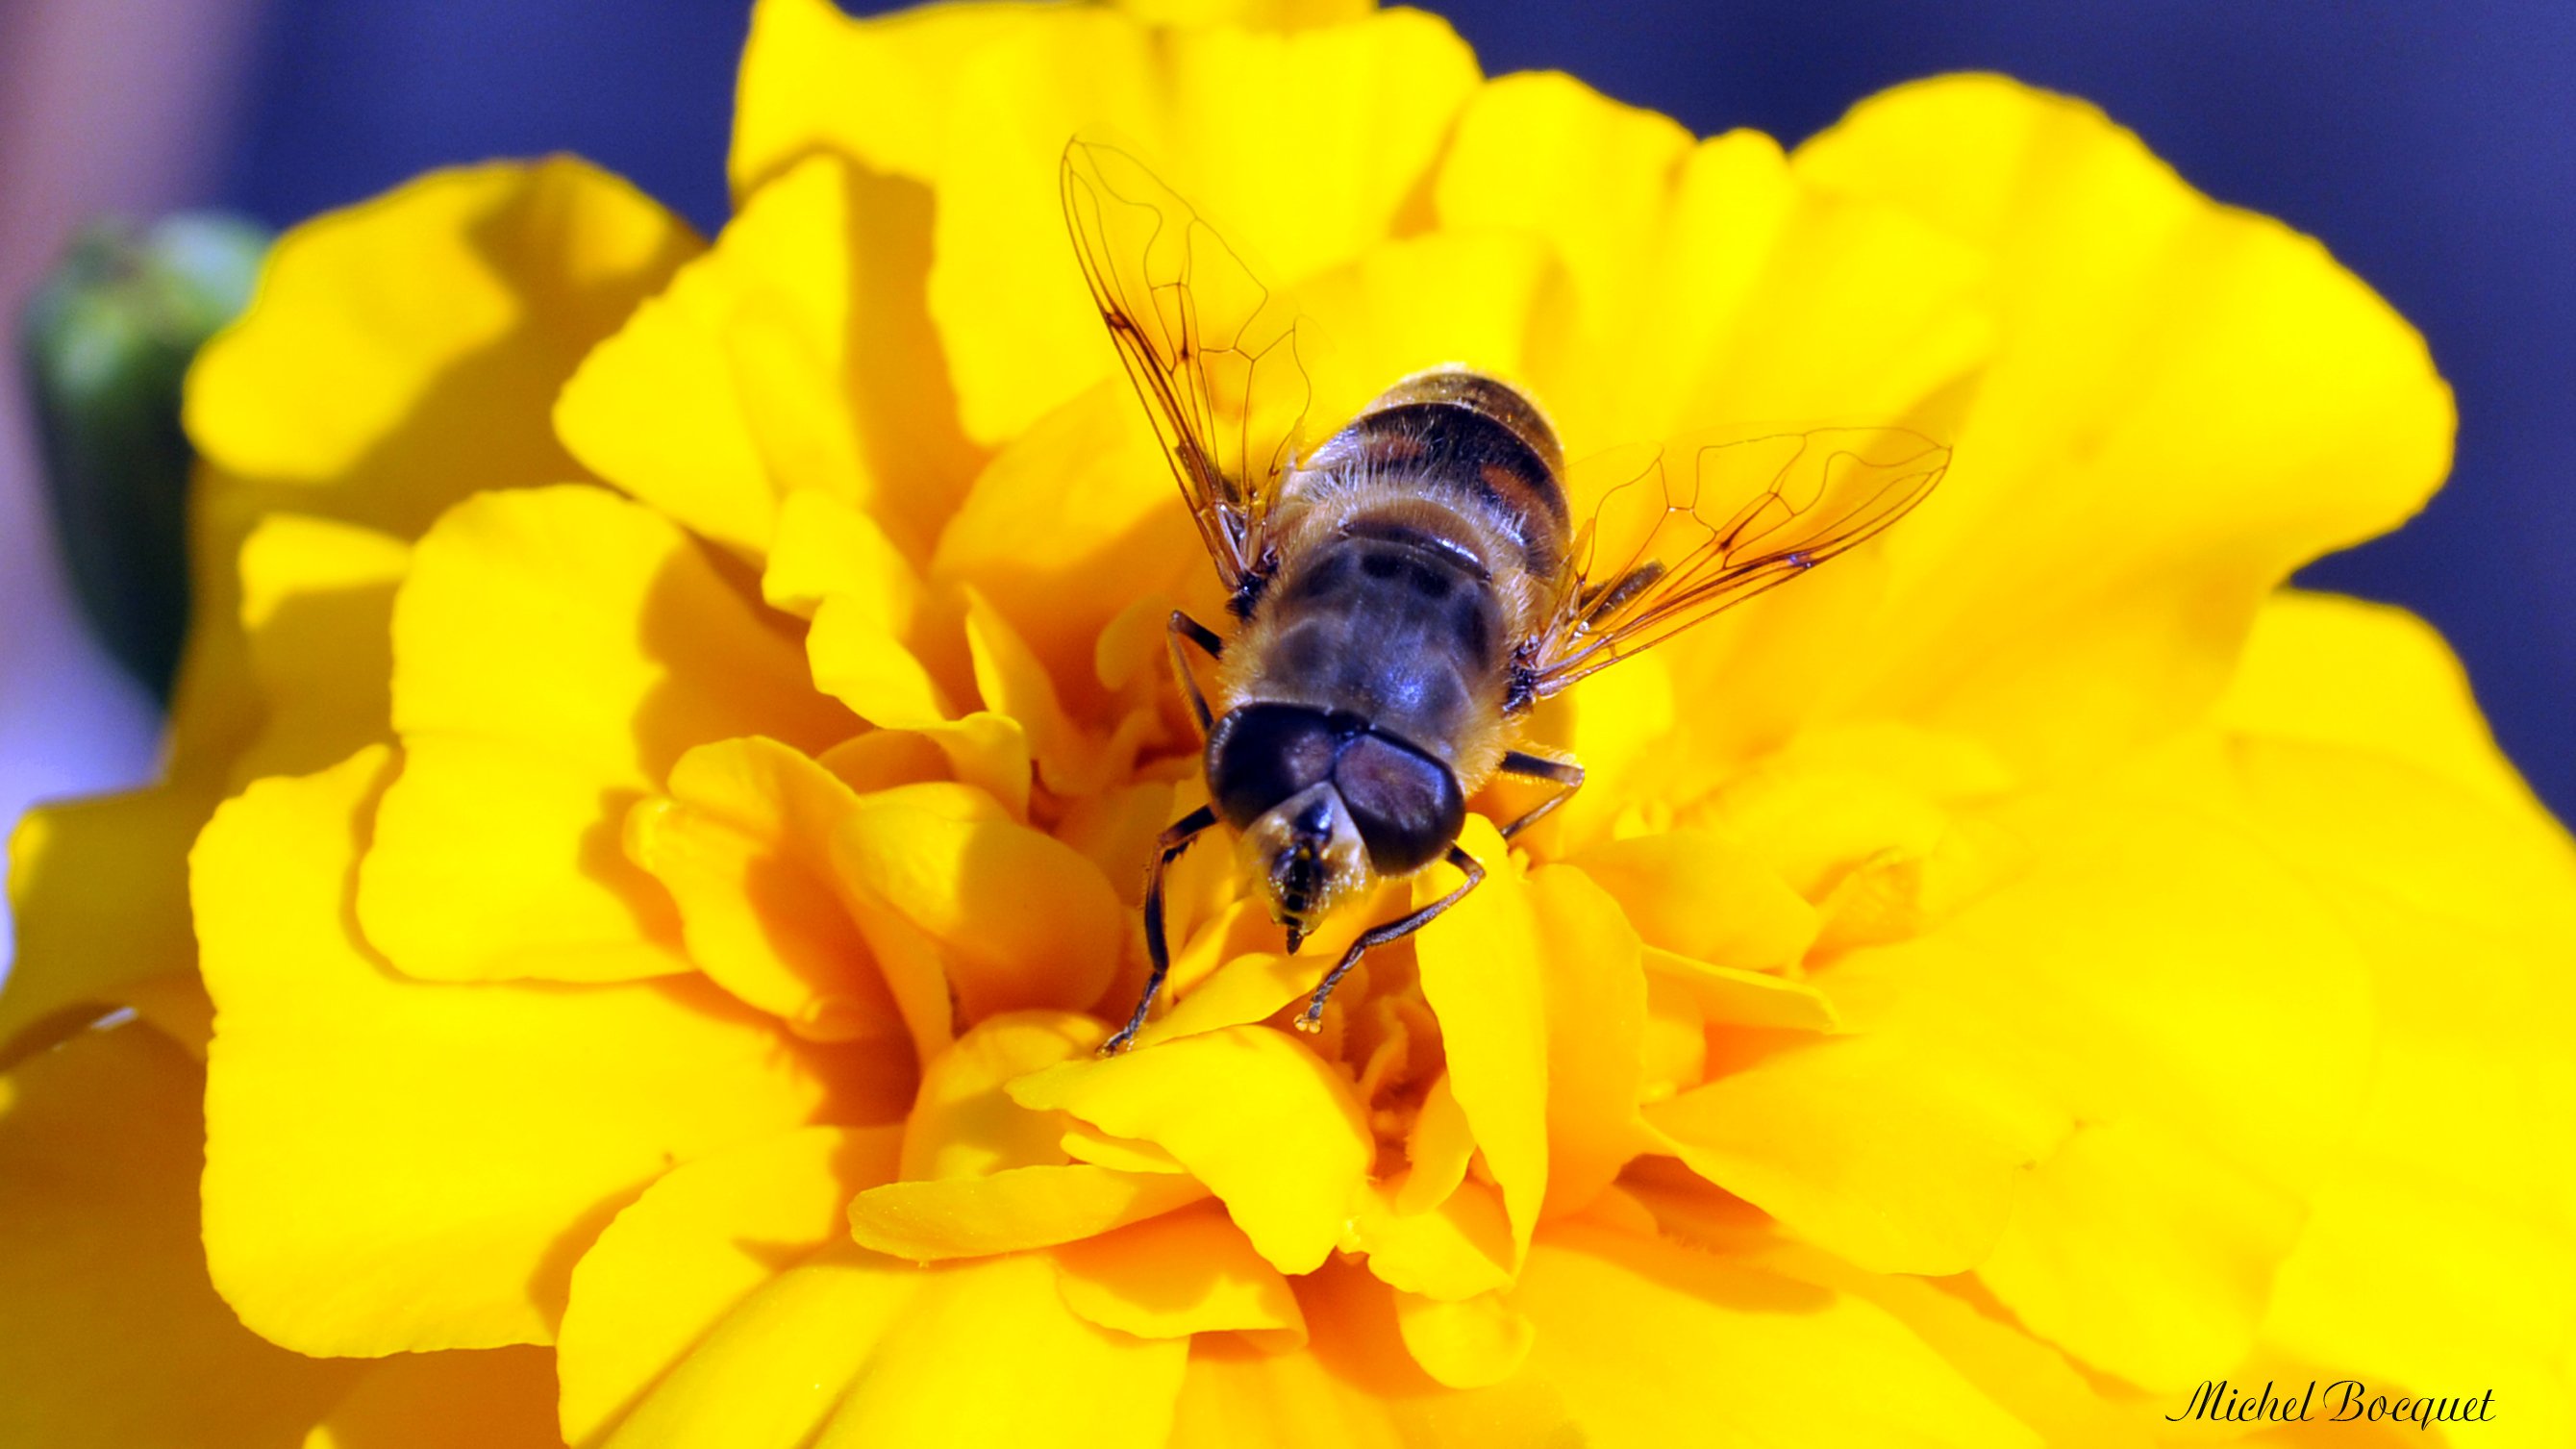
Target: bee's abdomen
1463 432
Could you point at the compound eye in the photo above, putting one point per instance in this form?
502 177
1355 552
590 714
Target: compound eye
1406 804
1261 754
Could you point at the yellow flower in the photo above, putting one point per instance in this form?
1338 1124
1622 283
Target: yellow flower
689 723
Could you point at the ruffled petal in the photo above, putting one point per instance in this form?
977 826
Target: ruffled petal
1012 1210
1654 1344
118 1338
1482 975
692 1249
742 843
1190 1271
317 603
331 395
1266 1124
1375 99
555 651
384 405
2186 402
394 1164
849 1348
1355 1383
795 356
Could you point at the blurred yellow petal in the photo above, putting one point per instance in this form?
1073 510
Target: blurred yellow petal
794 356
555 651
1655 1344
1190 1271
117 1338
1695 894
384 405
695 1246
98 891
1279 14
2329 670
826 548
336 396
1375 99
850 1348
317 606
1355 1383
875 90
1466 1344
1899 1148
742 844
1011 1210
503 1398
395 1164
2186 401
1732 996
1482 974
1269 1127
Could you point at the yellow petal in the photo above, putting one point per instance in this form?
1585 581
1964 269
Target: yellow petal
742 844
1457 1249
1186 1272
2186 401
1275 14
695 1246
1466 1344
1731 996
965 1124
501 1397
1437 1150
394 1164
98 892
1012 1210
853 1348
555 650
827 547
117 1338
317 603
2326 669
1266 1124
1073 519
384 405
1654 1344
1354 1384
1375 100
796 355
1595 989
1695 894
875 90
1021 920
1483 975
992 1356
1898 1148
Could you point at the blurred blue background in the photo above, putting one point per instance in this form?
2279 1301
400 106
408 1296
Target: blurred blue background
2433 148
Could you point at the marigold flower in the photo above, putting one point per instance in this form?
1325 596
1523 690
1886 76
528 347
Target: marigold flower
688 721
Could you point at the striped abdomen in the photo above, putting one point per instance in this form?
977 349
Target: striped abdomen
1412 551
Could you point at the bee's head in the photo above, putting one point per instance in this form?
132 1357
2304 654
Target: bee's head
1307 853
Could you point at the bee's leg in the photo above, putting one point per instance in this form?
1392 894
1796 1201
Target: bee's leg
1158 951
1539 767
1313 1017
1182 626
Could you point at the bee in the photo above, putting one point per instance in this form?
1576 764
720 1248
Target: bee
1406 592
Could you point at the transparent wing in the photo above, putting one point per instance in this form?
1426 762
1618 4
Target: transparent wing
1680 533
1212 351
